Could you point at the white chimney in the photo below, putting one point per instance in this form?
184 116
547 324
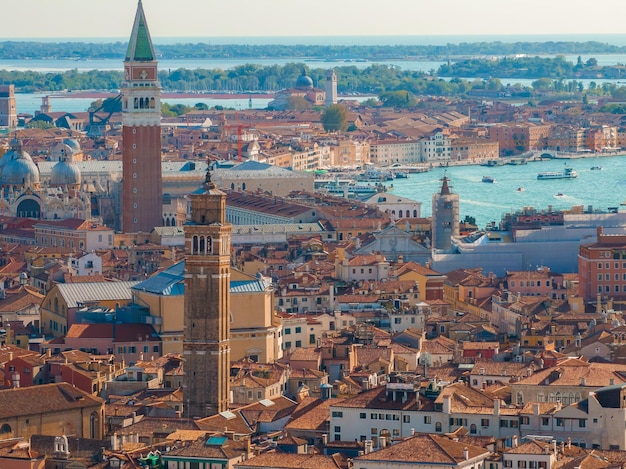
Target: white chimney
325 439
368 446
465 453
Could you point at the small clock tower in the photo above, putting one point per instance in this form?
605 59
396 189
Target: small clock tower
142 187
206 342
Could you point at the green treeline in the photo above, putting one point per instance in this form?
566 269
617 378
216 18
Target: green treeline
550 74
116 50
529 67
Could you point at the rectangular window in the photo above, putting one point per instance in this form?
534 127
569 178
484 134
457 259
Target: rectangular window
545 421
337 414
484 422
582 423
298 343
559 422
427 419
312 339
298 330
337 429
287 330
406 419
374 431
362 415
374 416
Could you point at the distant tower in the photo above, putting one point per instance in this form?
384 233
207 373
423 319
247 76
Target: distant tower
8 112
331 87
206 343
445 217
45 107
142 187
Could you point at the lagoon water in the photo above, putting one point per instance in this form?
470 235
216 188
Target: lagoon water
487 202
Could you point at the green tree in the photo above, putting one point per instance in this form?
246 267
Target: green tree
398 99
335 118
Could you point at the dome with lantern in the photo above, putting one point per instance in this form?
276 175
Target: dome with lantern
17 167
65 171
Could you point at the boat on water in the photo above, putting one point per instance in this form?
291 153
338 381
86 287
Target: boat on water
488 179
520 189
559 194
596 168
567 173
494 162
352 190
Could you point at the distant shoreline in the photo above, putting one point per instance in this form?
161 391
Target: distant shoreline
165 95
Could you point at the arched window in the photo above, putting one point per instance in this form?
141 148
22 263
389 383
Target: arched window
438 427
400 213
201 247
152 103
520 398
194 248
6 428
173 221
551 397
576 397
56 305
540 397
93 425
473 429
414 213
557 397
243 186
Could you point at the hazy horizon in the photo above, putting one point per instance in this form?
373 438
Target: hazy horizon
65 19
365 40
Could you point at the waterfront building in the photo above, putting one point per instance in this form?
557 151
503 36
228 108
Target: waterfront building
514 138
402 151
445 218
142 186
206 339
436 149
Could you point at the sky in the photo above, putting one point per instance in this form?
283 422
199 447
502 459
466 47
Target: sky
65 19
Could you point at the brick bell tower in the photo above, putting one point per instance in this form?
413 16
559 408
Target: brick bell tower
142 186
206 342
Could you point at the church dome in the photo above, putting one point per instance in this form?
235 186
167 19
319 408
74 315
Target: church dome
15 151
61 152
304 81
65 173
73 144
19 170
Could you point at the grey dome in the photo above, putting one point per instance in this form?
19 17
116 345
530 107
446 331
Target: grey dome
64 173
304 81
61 152
73 144
19 170
15 151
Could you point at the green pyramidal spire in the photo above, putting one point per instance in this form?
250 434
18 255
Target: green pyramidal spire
140 44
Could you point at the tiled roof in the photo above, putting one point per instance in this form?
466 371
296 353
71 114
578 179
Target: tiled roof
278 460
425 449
311 414
33 400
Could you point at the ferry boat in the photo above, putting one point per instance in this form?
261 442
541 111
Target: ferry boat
567 173
488 179
353 190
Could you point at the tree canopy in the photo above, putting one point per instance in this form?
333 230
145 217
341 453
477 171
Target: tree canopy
335 118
